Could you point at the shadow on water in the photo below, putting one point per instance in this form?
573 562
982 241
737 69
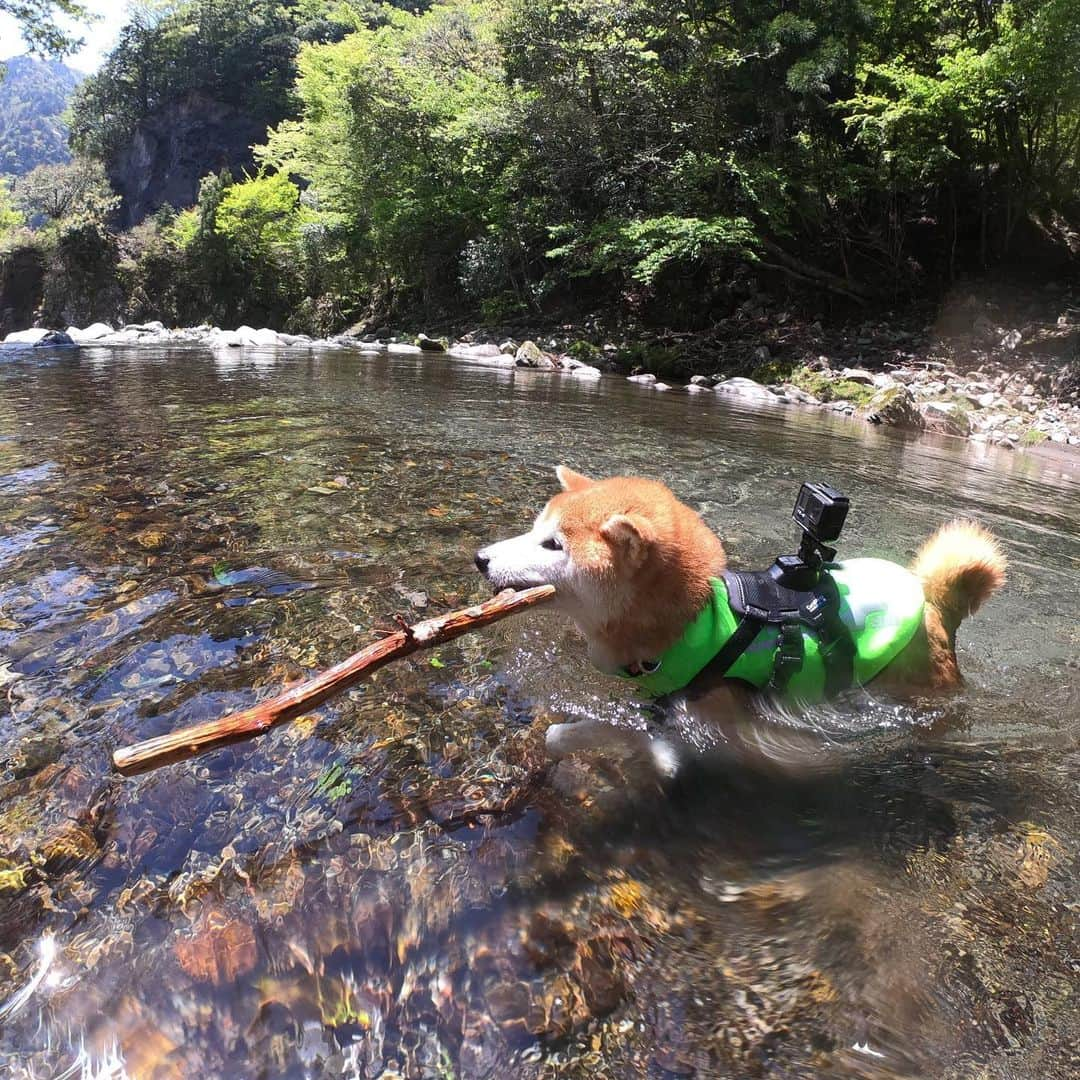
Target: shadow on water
404 883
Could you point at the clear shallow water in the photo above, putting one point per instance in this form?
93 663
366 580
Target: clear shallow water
404 884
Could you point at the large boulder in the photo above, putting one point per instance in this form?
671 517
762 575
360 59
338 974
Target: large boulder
93 332
430 344
25 337
746 389
945 418
266 338
529 354
894 405
488 355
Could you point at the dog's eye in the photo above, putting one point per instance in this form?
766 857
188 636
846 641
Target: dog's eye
552 543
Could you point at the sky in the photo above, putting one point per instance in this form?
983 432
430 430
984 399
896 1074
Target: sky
99 36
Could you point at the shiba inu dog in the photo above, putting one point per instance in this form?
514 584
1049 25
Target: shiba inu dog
642 577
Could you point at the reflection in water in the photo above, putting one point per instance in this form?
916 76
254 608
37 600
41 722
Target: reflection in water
403 883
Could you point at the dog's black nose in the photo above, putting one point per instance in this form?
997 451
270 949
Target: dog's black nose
481 561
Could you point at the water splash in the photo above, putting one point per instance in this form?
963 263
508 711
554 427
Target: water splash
46 950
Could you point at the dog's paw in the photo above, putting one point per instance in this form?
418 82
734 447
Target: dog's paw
559 740
666 758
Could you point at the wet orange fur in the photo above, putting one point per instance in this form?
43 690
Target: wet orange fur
655 558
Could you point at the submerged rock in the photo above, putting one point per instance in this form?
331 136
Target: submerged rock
798 395
55 339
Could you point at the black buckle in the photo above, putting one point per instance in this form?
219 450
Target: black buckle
790 654
815 611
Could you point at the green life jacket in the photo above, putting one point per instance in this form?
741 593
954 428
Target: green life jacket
880 607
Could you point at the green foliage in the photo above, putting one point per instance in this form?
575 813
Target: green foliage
646 248
258 218
33 95
775 371
10 218
72 194
222 51
37 22
826 388
512 158
585 352
402 135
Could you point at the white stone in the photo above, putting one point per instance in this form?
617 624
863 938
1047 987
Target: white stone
745 388
403 349
585 371
646 379
94 332
25 337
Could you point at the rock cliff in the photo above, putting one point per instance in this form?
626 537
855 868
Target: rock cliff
174 148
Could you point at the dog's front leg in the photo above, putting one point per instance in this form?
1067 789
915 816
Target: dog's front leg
563 739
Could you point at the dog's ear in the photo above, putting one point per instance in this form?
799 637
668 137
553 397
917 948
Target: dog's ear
572 481
631 534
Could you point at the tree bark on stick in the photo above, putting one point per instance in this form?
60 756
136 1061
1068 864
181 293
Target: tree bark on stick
298 699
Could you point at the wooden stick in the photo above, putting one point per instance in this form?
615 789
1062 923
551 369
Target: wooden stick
298 699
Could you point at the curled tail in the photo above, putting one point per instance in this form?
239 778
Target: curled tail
960 567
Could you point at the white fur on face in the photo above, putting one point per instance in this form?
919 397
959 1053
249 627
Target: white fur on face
538 557
534 558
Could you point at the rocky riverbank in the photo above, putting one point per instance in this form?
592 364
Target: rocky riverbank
966 375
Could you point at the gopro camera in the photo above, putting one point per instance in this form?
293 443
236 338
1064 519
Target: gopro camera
820 511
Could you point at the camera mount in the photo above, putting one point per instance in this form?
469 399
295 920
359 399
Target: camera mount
820 511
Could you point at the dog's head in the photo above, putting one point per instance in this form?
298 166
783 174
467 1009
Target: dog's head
629 562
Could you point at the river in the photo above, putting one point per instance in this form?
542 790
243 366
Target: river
404 884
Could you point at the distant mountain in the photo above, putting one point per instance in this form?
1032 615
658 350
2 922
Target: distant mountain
33 95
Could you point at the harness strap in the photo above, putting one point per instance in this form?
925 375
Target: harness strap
837 646
732 649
